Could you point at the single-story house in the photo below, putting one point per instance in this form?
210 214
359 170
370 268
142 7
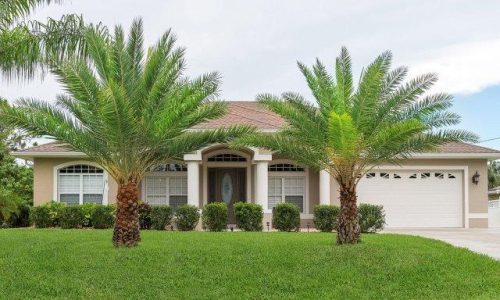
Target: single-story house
448 188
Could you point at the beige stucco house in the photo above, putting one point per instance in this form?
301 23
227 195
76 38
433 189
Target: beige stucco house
438 189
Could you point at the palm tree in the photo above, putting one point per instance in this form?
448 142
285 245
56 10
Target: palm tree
127 111
351 129
28 46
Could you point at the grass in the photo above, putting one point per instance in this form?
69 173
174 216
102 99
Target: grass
77 264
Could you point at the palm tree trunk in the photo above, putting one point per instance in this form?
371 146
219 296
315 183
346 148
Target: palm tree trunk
126 232
348 231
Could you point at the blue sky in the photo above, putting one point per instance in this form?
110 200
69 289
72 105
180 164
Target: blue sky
254 45
480 114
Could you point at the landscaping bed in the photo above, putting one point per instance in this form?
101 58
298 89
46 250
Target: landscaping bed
56 263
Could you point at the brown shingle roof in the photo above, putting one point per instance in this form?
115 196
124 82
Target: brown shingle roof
246 113
253 113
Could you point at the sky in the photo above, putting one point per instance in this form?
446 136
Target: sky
255 45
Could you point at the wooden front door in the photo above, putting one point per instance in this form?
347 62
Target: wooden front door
227 185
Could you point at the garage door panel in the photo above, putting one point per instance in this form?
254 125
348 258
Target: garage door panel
416 198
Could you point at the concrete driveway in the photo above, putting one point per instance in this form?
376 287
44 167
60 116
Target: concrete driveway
484 241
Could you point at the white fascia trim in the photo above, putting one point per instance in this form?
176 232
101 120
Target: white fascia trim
455 155
48 154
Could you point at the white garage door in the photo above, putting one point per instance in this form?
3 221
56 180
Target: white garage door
416 198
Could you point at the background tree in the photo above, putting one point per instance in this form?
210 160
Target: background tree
351 129
493 174
127 111
28 46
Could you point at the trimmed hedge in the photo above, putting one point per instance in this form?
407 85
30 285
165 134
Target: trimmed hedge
371 217
325 217
248 216
161 216
71 217
144 215
103 216
286 217
88 209
214 216
47 215
187 217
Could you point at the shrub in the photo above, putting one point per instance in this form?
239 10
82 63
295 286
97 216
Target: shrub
71 217
55 211
187 217
22 217
161 216
249 216
47 215
144 215
286 217
214 216
88 209
371 217
103 216
325 217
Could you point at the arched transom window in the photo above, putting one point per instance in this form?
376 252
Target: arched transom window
79 184
227 157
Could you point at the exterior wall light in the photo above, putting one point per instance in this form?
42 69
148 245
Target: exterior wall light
475 178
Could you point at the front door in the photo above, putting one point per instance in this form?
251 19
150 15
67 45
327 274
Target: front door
227 185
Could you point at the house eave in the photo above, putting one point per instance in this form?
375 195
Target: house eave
32 155
438 155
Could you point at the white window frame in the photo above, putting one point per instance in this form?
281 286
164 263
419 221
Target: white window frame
55 188
291 174
167 175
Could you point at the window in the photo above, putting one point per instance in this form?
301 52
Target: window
286 189
413 176
166 190
439 175
169 168
451 176
79 184
370 175
384 175
227 157
397 176
285 168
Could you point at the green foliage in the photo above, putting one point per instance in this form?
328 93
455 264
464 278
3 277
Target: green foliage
493 174
325 217
47 215
21 218
187 217
40 216
9 203
161 216
286 217
127 102
71 217
144 215
371 217
248 216
103 216
214 216
88 210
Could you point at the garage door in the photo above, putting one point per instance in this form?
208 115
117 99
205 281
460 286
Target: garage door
416 198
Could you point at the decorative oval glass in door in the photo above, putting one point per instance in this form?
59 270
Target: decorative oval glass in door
227 188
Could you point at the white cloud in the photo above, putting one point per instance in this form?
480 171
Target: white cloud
463 68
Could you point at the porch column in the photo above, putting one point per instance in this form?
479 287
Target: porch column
193 183
324 188
261 192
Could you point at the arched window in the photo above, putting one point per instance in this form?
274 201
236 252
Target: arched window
285 168
79 184
227 157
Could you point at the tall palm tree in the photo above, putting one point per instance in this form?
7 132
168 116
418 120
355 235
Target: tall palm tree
351 129
28 46
127 111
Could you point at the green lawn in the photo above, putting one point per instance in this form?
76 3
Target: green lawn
73 264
